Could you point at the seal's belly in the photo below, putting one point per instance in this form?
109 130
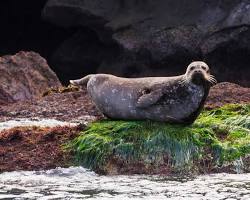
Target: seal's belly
180 105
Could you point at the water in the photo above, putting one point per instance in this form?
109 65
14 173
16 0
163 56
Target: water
80 183
23 122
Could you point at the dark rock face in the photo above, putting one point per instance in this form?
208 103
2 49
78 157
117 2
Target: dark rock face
24 76
22 29
81 54
150 37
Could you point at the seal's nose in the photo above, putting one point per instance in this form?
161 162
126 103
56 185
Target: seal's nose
198 71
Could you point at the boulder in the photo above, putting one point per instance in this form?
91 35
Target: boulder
25 75
162 37
79 55
216 140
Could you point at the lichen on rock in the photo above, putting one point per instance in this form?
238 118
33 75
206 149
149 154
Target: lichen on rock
219 138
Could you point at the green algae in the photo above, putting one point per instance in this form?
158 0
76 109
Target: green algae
219 136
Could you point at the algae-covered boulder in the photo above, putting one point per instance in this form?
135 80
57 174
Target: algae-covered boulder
219 140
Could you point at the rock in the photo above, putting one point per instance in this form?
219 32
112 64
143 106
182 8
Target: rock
162 37
227 93
216 140
77 53
25 75
35 148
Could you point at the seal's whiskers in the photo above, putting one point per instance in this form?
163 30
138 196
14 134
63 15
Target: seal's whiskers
212 81
212 78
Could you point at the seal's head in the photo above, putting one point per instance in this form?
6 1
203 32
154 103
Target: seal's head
198 73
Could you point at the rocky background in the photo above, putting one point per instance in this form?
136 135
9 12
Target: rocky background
45 43
24 76
131 38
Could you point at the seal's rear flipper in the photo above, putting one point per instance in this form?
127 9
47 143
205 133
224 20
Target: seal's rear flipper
81 82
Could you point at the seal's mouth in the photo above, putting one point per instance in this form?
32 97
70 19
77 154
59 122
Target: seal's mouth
198 77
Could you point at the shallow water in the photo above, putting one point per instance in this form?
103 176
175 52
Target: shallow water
79 183
33 122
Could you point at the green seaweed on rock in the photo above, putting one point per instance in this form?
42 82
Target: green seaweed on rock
221 135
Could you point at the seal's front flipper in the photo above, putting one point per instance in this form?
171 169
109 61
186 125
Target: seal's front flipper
148 98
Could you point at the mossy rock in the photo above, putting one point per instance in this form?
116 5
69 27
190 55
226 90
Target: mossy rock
218 138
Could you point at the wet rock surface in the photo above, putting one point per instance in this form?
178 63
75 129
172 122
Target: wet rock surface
34 148
69 107
25 75
155 37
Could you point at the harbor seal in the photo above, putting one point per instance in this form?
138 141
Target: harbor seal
177 99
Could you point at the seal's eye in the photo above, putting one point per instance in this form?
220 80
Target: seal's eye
203 67
192 68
